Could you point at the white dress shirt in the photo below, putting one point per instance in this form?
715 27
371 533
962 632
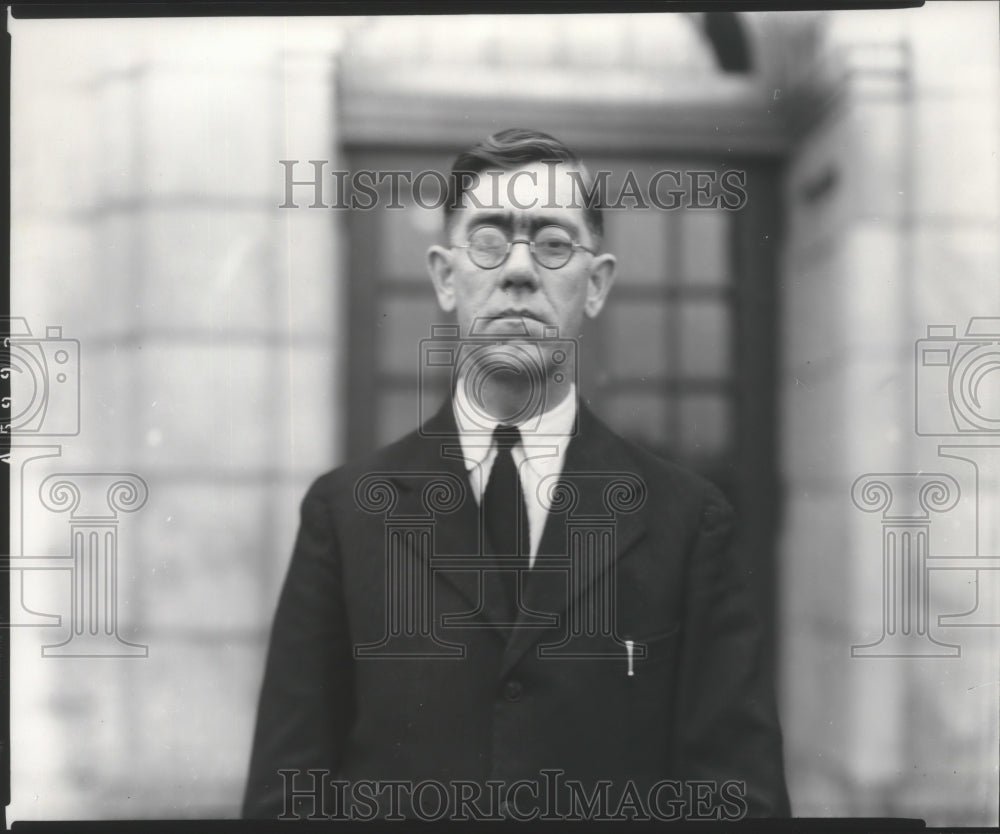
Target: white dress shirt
540 453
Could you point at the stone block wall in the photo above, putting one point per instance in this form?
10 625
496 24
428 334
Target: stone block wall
145 190
892 198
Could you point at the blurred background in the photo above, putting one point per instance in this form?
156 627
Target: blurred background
229 350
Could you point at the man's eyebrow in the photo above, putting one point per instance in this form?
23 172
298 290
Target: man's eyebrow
492 218
508 219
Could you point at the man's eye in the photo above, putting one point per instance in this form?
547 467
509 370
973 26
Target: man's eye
553 244
489 243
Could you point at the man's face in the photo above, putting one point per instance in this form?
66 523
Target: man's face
520 292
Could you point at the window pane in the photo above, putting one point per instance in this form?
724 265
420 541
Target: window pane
705 246
637 339
639 416
704 424
705 346
398 414
401 323
405 235
638 238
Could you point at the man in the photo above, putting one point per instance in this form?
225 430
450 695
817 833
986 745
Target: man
513 612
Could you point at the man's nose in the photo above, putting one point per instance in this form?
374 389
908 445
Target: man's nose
520 269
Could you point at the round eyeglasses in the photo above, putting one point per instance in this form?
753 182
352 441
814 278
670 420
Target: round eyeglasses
550 246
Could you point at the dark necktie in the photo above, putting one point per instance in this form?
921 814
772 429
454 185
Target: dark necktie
504 509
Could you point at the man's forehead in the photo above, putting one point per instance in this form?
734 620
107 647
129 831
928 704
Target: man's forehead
533 179
539 188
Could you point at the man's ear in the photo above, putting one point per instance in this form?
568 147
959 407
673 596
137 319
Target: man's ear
439 266
602 276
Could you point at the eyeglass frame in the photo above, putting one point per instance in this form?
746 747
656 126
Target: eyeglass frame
577 246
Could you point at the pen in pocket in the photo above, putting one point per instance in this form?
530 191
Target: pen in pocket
629 648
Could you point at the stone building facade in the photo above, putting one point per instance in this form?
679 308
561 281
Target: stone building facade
231 350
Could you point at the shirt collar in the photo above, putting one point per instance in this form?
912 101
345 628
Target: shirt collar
476 434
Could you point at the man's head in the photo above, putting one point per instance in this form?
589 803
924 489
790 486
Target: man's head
522 244
508 150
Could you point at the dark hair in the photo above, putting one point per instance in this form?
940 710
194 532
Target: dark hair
514 148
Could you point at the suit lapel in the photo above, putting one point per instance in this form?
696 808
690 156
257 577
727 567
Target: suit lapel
438 450
595 459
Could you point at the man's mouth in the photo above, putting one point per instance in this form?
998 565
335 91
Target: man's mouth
518 314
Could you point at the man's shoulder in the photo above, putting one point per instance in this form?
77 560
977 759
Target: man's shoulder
676 476
398 458
672 490
665 482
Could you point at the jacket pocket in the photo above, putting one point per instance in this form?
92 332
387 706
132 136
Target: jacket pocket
654 650
650 699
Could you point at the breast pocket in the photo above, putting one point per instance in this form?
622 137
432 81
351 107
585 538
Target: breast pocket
654 650
650 698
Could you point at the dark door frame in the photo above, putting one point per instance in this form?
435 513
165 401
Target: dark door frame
732 121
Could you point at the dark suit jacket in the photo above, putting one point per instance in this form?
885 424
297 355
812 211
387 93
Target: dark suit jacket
698 706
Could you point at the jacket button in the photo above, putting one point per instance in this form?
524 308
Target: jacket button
513 691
